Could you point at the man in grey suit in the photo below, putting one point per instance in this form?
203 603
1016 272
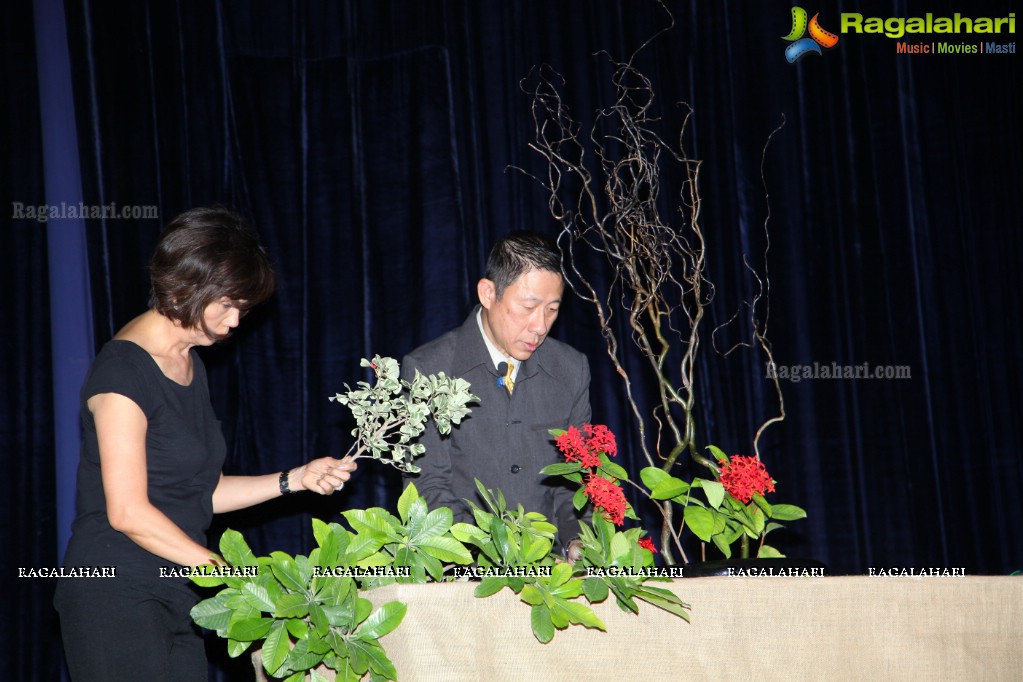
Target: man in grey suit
526 383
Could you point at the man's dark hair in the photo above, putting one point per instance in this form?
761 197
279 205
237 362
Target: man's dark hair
205 254
517 254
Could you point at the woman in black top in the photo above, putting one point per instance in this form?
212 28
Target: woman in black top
149 479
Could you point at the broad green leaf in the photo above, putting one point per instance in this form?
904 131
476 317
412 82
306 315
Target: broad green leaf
366 521
301 658
700 521
583 614
445 549
329 549
320 531
377 659
235 550
291 606
560 574
466 532
540 620
579 499
769 552
297 628
531 595
206 580
759 519
490 585
620 546
250 629
211 614
723 545
595 589
764 505
714 490
669 602
538 549
287 572
432 524
651 476
383 620
718 453
258 597
609 467
570 590
561 468
669 488
275 648
408 496
787 512
236 648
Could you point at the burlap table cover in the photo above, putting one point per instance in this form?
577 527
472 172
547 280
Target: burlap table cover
766 628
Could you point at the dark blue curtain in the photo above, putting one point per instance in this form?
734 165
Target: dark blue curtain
370 143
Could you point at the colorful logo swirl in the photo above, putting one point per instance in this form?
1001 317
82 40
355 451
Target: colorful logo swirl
801 45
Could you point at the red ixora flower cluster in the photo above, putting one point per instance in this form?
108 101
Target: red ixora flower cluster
648 543
586 449
607 496
743 477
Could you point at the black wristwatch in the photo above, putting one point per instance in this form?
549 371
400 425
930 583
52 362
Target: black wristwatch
283 480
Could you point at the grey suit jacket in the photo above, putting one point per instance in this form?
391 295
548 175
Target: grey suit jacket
504 442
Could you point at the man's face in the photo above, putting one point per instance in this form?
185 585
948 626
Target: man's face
518 322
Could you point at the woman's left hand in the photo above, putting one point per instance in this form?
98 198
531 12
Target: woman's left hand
324 475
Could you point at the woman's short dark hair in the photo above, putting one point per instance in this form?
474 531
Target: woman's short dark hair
203 255
517 254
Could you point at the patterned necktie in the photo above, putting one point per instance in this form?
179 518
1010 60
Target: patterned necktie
509 383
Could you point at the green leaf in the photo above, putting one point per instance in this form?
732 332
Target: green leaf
287 572
329 549
621 547
383 620
445 549
275 648
700 521
714 490
236 648
297 628
369 521
250 629
612 469
561 468
764 505
432 524
595 589
531 595
257 597
579 499
408 496
723 545
300 658
560 574
466 532
540 620
718 453
235 550
377 659
320 531
203 580
490 585
583 614
787 512
769 552
664 599
669 488
291 606
651 476
211 614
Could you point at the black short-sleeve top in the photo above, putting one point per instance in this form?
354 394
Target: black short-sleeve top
185 453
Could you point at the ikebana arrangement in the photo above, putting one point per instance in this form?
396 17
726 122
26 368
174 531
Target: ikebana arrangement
309 615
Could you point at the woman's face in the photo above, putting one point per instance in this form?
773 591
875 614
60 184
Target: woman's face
221 317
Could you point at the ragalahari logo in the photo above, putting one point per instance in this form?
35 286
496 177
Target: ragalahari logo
802 46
